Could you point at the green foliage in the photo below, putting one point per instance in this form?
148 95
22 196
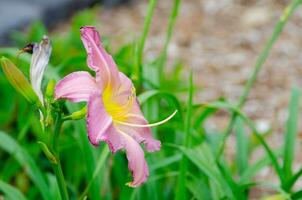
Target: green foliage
191 163
11 192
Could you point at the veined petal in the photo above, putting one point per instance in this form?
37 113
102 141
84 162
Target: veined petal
39 61
98 59
99 122
119 102
136 160
76 87
117 139
124 91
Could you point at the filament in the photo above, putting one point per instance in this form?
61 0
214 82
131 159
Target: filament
147 125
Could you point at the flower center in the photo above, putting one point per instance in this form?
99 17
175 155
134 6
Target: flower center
118 103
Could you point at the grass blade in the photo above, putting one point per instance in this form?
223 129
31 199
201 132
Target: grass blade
291 133
9 145
293 179
241 147
172 99
250 124
198 188
202 157
11 192
287 13
163 55
89 157
181 185
252 169
141 44
164 162
100 165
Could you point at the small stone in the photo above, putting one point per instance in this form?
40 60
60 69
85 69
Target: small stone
256 16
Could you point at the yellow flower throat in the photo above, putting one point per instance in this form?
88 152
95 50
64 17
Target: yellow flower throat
115 105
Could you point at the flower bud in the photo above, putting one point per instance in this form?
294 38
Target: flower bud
79 114
18 80
48 153
50 89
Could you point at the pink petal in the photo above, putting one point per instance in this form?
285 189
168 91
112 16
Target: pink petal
124 90
98 59
113 138
98 120
136 161
142 135
76 87
116 139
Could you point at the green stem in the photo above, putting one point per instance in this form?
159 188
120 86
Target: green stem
297 195
57 166
181 184
141 44
99 167
293 180
172 20
287 13
264 144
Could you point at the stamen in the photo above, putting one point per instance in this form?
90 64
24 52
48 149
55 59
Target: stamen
147 125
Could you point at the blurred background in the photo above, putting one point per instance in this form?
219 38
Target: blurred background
219 39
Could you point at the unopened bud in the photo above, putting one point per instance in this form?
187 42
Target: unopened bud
50 88
47 153
79 114
276 197
18 80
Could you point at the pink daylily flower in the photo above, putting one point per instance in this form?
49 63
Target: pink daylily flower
113 112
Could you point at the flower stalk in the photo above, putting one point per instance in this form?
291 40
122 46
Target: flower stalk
57 165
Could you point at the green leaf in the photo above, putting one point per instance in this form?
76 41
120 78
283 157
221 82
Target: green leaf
164 162
181 185
53 186
202 157
227 175
206 112
250 124
198 188
252 169
9 145
171 25
172 99
241 146
291 133
11 192
287 13
141 44
100 165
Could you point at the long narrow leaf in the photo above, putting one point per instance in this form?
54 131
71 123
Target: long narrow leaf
241 147
9 145
203 158
141 43
148 95
291 133
90 160
287 13
181 185
11 192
